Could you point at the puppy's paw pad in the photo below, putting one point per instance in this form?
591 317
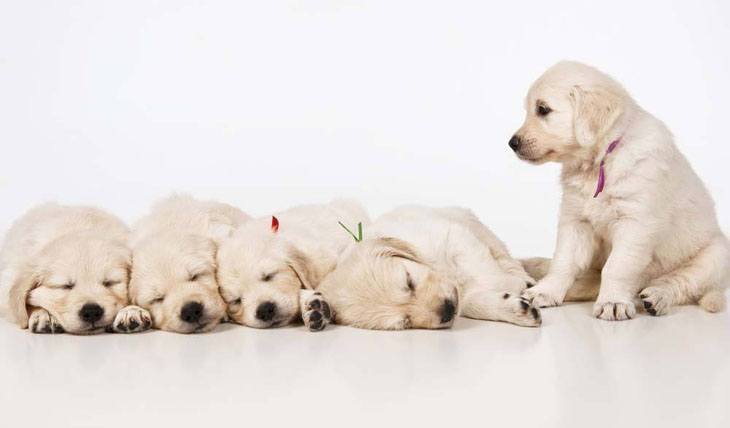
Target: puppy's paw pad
42 322
614 311
317 313
656 300
132 319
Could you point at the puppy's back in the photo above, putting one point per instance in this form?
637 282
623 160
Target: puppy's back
48 222
185 214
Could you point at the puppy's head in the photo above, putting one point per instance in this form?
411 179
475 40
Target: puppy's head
384 284
79 279
570 108
260 276
174 277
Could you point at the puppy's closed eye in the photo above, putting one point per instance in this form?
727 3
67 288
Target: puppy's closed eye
266 277
409 283
157 300
109 283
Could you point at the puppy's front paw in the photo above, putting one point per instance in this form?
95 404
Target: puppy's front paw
527 315
132 319
614 311
656 300
41 321
542 297
316 313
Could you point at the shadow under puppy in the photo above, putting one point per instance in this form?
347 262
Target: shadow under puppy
66 269
174 262
634 217
421 267
269 269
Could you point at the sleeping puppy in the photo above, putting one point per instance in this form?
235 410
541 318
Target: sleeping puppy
66 268
421 267
174 267
269 269
634 215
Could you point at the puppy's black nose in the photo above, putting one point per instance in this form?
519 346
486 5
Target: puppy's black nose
192 312
515 142
91 313
447 311
266 311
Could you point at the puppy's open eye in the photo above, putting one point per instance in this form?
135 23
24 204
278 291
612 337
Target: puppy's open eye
409 282
68 286
109 283
268 276
543 110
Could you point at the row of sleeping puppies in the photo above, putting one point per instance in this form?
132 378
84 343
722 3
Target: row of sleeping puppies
190 265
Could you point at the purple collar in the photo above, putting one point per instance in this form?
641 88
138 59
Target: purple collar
601 170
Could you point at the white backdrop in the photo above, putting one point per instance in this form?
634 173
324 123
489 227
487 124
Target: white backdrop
266 104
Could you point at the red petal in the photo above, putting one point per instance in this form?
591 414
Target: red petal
274 224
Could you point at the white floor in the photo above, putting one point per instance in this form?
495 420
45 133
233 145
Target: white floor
574 371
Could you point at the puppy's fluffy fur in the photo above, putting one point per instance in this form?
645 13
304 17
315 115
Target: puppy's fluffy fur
174 266
420 266
652 231
57 259
267 277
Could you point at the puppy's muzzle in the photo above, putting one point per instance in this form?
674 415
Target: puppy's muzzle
192 312
447 311
91 313
515 143
266 311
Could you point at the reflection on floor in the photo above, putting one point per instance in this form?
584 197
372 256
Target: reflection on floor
574 371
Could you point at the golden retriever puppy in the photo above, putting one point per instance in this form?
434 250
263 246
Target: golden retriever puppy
634 215
66 268
269 269
174 262
421 267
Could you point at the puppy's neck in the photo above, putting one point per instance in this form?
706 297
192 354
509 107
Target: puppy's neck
587 160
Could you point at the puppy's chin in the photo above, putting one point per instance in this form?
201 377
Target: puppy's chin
85 330
279 321
186 328
538 158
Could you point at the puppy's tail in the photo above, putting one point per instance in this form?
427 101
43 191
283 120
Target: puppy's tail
713 301
536 267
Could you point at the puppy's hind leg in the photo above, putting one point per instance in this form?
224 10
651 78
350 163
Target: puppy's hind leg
701 281
41 321
316 312
497 248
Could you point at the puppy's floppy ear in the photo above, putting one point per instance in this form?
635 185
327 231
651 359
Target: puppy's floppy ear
394 247
302 267
595 111
18 296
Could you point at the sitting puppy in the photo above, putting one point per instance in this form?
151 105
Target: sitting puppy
65 268
420 267
634 215
269 269
174 267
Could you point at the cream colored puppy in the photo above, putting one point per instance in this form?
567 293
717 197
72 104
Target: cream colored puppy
420 267
269 269
66 268
174 266
632 207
